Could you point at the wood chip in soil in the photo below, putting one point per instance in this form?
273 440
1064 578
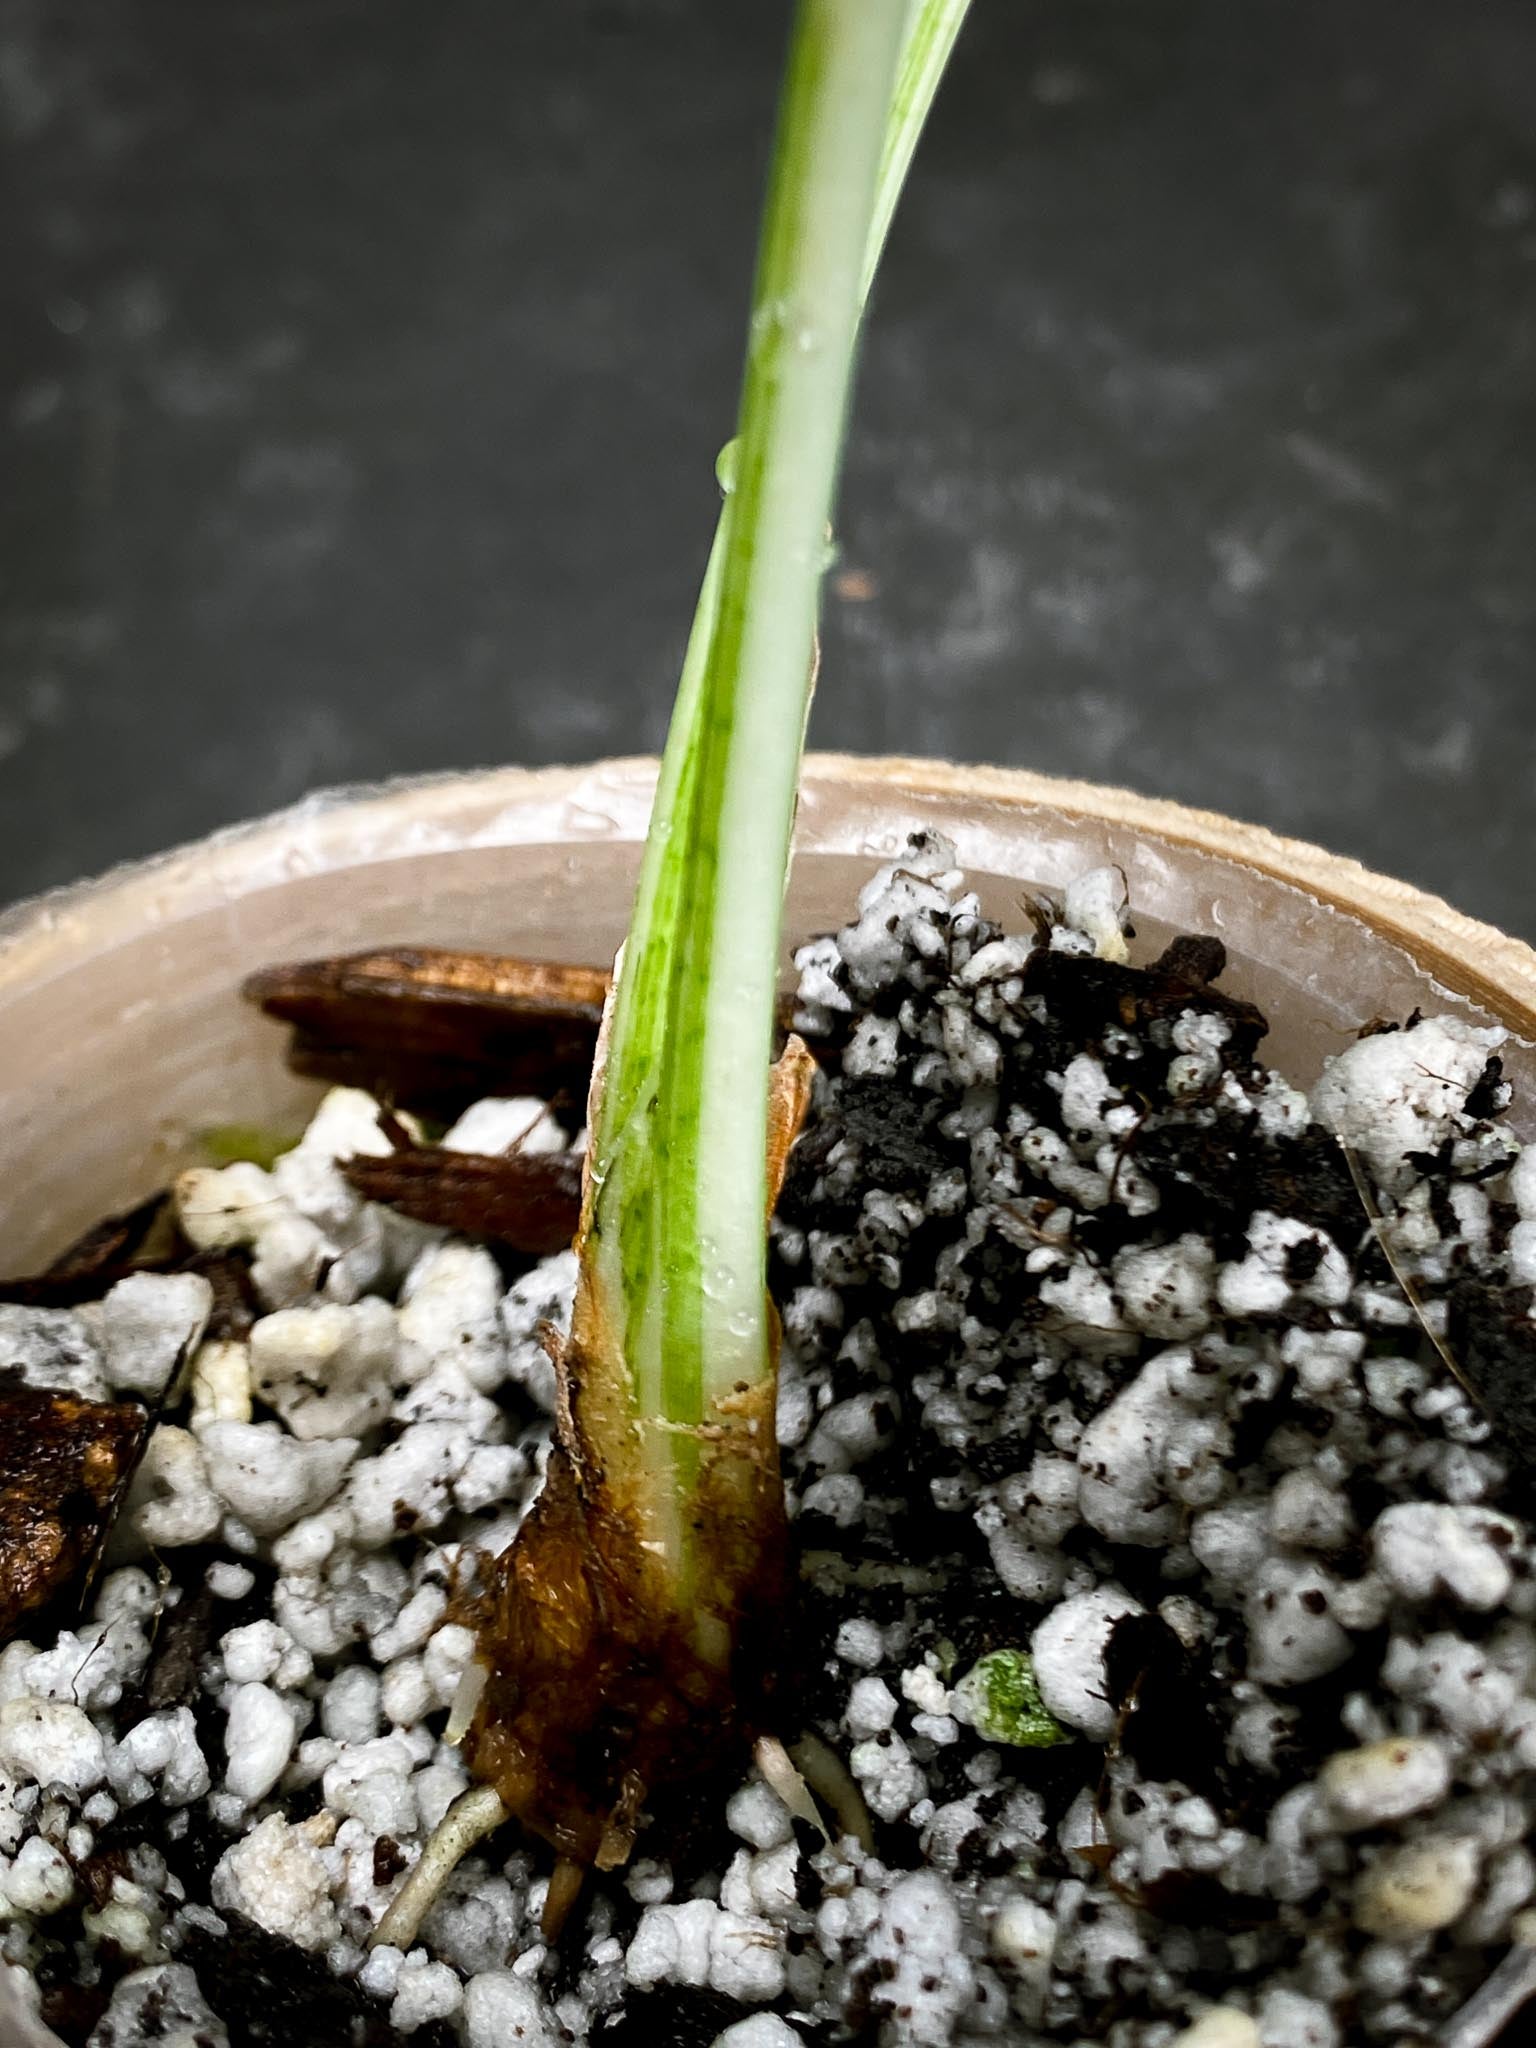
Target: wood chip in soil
528 1201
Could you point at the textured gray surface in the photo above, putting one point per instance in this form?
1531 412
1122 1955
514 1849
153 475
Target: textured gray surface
362 368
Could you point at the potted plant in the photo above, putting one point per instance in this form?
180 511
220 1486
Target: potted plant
648 1567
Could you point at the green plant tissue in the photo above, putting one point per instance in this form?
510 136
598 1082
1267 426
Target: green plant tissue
1000 1699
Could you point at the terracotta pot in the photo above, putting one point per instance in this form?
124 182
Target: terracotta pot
121 1035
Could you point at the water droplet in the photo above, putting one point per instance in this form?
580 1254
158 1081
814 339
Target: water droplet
719 1282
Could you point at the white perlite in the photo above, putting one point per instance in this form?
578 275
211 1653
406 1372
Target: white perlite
164 1747
309 1233
506 2011
150 1325
759 2030
1095 904
268 1478
1291 2019
918 1948
1417 1888
170 1502
327 1369
277 1876
1121 1459
1293 1633
260 1740
1400 1092
1166 1288
39 1881
220 1385
889 1776
1425 1550
1263 1282
1068 1653
163 2005
507 1123
1221 2026
424 1991
1386 1781
1024 1939
50 1742
699 1943
53 1347
542 1296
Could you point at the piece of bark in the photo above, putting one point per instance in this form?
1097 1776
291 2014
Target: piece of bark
65 1465
434 1029
528 1201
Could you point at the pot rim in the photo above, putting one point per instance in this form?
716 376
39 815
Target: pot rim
609 800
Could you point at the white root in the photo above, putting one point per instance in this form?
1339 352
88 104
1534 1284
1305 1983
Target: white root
834 1785
812 1767
781 1777
467 1698
1482 2020
472 1816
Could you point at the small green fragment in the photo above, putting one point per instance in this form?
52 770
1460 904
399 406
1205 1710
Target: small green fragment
1000 1699
225 1144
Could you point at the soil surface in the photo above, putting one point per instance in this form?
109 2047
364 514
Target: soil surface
1158 1448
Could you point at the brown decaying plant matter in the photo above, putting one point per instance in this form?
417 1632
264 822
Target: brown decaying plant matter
595 1673
65 1465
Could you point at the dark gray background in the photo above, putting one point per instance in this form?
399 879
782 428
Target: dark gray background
363 362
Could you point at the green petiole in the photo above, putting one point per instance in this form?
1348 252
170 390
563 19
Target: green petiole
677 1238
